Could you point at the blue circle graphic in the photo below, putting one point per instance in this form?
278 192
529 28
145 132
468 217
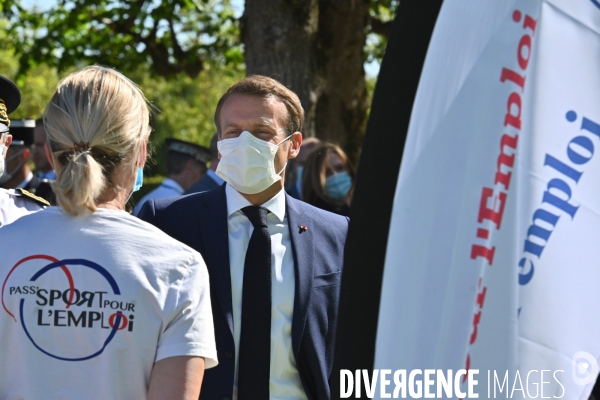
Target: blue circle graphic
106 275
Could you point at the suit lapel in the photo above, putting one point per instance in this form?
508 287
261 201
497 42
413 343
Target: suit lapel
213 228
303 251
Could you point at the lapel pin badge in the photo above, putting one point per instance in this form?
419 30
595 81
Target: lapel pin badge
303 228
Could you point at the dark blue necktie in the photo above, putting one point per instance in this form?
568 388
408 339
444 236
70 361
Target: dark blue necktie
255 336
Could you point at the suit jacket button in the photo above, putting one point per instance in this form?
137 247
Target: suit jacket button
228 355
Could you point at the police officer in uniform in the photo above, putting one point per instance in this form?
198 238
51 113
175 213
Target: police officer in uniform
19 202
17 174
186 165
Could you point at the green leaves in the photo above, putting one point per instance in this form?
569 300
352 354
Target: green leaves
185 106
381 15
170 36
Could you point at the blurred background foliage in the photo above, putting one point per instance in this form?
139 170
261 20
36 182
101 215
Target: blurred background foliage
183 54
183 106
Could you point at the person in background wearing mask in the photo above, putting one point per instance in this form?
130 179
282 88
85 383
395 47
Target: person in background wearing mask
17 174
294 185
135 319
327 180
186 165
275 263
211 180
42 165
13 203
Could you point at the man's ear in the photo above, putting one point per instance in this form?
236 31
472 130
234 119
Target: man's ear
295 143
8 140
49 154
26 154
143 155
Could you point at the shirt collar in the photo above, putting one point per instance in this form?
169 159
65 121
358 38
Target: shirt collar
235 202
171 184
50 175
26 181
215 177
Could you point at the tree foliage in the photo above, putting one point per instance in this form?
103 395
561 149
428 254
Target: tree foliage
183 53
381 18
183 106
173 36
36 86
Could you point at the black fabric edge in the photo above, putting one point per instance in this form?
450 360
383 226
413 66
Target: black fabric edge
376 185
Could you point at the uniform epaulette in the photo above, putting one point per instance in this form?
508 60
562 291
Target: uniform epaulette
33 197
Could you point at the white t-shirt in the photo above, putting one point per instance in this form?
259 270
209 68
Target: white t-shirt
90 303
13 206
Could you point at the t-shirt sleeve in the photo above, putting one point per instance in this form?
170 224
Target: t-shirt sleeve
191 332
13 207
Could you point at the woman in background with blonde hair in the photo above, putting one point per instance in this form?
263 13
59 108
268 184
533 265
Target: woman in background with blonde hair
328 179
98 304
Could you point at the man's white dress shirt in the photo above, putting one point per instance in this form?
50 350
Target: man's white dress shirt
284 381
168 188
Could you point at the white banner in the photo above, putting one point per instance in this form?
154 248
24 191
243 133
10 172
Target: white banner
492 260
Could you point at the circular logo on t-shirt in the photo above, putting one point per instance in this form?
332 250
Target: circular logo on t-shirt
66 318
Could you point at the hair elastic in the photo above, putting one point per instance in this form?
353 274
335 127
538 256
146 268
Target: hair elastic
81 147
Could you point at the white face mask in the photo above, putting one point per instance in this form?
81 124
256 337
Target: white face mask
2 162
248 163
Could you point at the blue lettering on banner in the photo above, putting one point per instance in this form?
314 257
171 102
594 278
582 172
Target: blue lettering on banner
596 3
556 200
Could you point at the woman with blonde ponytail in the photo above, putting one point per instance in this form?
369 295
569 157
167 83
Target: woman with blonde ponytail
96 303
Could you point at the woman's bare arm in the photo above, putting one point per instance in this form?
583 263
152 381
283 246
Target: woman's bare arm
176 378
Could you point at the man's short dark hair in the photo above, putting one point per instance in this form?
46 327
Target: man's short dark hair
265 87
214 150
176 162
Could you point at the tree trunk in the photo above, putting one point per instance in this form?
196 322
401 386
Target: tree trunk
342 105
280 41
315 47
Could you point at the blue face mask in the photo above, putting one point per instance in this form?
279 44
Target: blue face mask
338 185
139 179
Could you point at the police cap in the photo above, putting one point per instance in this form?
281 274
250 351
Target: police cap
199 153
10 98
22 131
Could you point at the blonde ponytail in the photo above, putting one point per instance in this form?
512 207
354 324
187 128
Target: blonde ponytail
80 182
96 120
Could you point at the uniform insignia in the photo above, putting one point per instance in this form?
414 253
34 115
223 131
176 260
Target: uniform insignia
33 197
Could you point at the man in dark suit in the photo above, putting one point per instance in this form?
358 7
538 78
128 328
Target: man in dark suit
210 180
274 262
